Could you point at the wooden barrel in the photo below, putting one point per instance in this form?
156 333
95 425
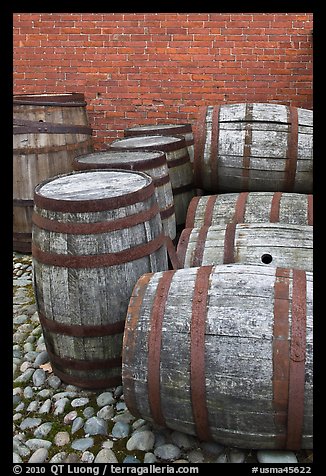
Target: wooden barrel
272 244
250 207
151 162
49 131
233 365
254 147
184 130
94 234
180 169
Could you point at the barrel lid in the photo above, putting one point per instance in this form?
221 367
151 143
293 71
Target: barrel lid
50 99
130 159
93 190
162 129
158 142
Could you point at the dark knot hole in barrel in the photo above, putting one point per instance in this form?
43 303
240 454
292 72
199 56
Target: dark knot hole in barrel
266 258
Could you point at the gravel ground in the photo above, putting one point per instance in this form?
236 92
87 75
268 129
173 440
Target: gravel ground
58 423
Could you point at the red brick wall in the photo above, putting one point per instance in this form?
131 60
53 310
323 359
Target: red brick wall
138 68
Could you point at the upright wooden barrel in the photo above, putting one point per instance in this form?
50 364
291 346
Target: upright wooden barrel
49 131
233 365
254 147
94 234
180 169
273 244
165 130
151 162
250 207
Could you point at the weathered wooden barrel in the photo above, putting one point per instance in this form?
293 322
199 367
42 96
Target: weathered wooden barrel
184 130
272 244
49 131
254 147
233 365
250 207
151 162
94 234
180 168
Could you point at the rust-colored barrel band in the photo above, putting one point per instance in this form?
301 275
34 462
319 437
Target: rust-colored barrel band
214 147
172 253
191 212
310 209
200 247
180 161
22 202
101 204
292 150
183 245
167 213
78 364
22 126
197 353
95 227
159 181
247 146
81 330
297 361
208 217
274 216
229 238
154 346
69 99
129 347
240 207
281 348
98 261
81 162
55 149
199 148
185 188
22 235
87 382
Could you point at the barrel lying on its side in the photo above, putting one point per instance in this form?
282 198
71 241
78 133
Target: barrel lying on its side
254 147
250 207
273 244
223 353
94 234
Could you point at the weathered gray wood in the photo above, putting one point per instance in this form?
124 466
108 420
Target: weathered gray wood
37 156
181 175
145 162
165 130
91 295
291 208
286 245
250 147
238 349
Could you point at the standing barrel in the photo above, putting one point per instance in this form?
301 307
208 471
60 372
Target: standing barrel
250 207
180 169
273 244
233 365
49 130
254 147
151 162
94 234
165 130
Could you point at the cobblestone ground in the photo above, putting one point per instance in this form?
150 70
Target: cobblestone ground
54 422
